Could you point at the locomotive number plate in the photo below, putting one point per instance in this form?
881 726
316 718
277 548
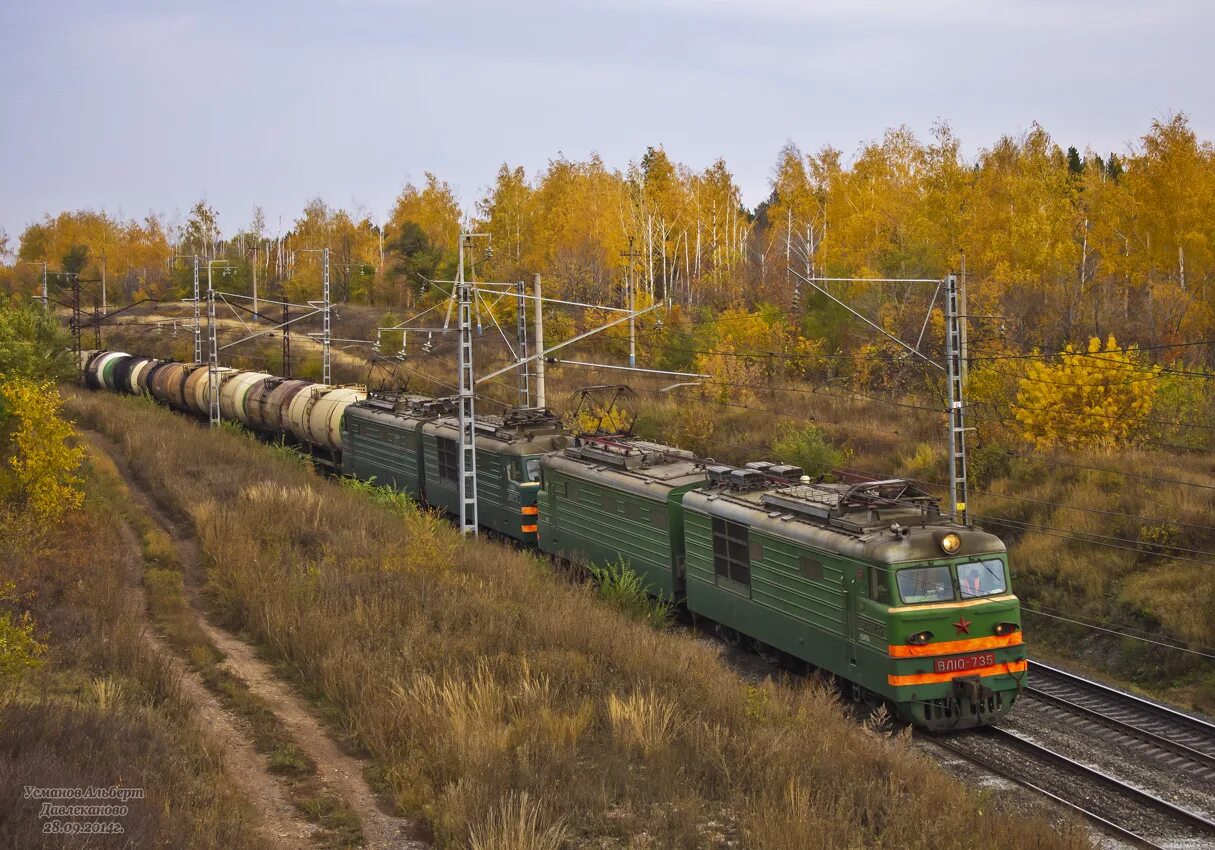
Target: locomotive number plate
966 662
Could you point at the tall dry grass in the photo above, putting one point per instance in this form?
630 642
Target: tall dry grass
510 708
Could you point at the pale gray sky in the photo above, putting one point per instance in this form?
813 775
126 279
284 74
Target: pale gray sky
140 107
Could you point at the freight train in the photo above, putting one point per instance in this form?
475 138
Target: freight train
868 581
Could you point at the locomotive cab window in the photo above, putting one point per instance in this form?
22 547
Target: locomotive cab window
732 551
925 584
982 578
879 585
449 459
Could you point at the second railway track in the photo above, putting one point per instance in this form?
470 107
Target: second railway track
1177 741
1129 813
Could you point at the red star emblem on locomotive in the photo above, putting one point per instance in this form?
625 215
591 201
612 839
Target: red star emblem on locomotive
963 625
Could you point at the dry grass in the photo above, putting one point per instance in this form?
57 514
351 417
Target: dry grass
1130 582
519 823
643 723
475 676
164 585
105 710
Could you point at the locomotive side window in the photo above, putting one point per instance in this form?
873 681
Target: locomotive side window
982 578
449 459
879 585
811 568
757 549
658 517
732 551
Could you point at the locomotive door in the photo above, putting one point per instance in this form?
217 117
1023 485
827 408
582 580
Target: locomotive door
851 580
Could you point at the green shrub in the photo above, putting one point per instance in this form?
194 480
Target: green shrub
988 463
626 591
19 649
383 495
805 446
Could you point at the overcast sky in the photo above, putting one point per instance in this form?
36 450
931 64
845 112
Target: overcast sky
140 107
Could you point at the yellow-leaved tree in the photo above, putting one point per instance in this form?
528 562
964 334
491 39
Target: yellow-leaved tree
750 350
44 463
1086 399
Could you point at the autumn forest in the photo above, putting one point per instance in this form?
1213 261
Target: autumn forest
1062 242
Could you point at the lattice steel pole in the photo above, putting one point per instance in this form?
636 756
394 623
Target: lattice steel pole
212 356
467 471
326 372
539 361
525 389
957 417
197 309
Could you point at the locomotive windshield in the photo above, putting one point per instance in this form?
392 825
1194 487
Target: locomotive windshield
526 469
925 584
981 578
936 584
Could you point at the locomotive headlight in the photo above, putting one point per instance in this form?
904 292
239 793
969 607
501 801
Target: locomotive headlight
920 638
1003 629
951 543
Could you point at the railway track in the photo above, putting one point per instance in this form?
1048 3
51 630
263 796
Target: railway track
1177 741
1125 811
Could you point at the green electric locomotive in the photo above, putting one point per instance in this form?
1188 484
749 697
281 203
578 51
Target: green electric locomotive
382 437
604 500
867 581
509 449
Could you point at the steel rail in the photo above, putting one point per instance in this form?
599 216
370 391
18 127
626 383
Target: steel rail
1167 744
1179 813
1193 724
1121 831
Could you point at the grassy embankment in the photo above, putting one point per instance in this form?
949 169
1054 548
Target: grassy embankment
105 708
511 709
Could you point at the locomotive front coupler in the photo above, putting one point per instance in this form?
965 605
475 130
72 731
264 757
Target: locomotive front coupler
971 689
